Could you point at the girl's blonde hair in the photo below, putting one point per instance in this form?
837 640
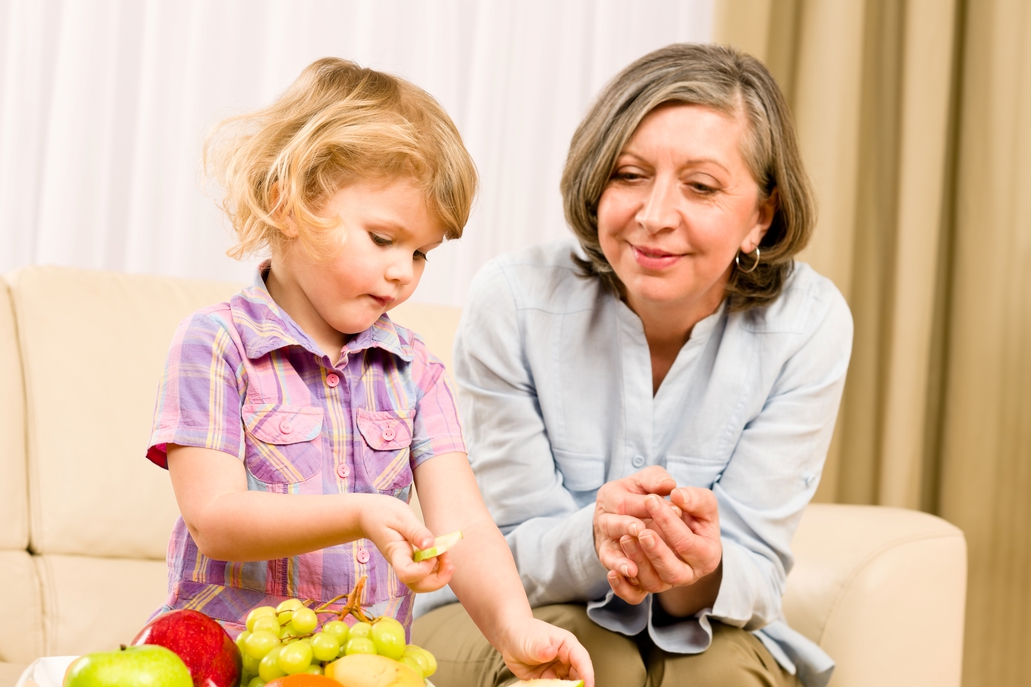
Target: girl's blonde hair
337 124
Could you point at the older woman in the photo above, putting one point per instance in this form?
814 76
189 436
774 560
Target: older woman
648 412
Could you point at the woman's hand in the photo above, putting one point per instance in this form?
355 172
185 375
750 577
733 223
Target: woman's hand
534 649
393 528
620 510
650 545
675 552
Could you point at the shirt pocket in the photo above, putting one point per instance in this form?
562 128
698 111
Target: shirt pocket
384 460
695 472
581 473
284 443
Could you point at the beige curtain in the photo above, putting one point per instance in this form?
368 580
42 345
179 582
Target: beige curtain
915 122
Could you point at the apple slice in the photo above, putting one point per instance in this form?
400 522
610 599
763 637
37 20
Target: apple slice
440 545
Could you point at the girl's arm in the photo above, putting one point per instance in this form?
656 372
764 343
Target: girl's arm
230 523
485 578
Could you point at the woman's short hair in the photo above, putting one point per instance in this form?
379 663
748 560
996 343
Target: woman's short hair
730 82
337 124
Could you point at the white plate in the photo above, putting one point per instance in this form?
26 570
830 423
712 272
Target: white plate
46 672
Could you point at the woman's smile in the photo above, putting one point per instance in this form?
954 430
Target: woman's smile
654 258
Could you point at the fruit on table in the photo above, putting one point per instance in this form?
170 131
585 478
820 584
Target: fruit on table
440 545
303 680
208 651
289 641
134 666
373 670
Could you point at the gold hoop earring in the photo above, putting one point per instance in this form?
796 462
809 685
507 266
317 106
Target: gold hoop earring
737 261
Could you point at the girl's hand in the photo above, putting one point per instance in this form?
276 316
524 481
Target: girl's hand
534 649
393 528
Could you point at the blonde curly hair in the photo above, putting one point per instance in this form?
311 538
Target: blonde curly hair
337 124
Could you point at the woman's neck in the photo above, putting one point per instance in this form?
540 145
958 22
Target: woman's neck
667 327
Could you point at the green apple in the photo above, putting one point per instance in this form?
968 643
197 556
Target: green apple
135 666
440 545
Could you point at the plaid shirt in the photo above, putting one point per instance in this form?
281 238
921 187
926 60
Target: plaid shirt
242 378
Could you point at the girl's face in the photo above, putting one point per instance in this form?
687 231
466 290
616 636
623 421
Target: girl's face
385 229
679 206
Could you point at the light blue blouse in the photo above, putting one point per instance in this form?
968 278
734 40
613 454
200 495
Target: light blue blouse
555 387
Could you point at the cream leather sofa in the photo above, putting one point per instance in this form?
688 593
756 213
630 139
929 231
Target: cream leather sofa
84 518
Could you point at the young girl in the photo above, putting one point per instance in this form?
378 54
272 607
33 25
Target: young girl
294 419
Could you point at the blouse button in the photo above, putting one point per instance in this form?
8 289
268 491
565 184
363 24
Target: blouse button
332 379
363 556
343 470
638 461
388 433
285 427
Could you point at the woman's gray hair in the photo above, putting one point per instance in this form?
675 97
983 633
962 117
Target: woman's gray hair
730 82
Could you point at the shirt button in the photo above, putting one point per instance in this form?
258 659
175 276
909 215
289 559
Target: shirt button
343 470
638 461
363 556
388 433
332 379
285 427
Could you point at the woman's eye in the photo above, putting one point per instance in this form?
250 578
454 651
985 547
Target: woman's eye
703 189
625 175
380 240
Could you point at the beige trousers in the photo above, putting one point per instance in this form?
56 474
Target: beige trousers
466 659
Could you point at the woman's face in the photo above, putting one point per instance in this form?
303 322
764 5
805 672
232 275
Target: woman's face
679 206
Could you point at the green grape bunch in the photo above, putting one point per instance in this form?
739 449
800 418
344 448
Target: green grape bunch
288 639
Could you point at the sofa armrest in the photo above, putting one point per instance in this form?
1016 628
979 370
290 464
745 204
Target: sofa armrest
882 590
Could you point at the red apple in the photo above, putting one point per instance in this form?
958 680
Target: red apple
208 651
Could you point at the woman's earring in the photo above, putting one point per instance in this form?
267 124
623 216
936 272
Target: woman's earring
737 261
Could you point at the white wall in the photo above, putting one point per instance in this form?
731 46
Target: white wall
104 105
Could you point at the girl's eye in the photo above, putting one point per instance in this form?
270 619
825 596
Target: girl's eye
380 240
419 255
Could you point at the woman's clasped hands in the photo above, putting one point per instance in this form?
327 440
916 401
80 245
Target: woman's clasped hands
651 545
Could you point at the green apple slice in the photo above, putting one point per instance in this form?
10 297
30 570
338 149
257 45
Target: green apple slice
440 545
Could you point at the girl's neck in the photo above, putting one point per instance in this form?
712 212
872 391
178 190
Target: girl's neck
293 303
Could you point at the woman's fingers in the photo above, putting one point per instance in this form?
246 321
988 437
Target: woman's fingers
630 593
689 552
625 496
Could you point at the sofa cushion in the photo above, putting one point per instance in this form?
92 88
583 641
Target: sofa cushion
14 491
95 604
21 633
93 348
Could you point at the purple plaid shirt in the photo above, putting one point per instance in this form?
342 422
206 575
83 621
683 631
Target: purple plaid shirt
244 379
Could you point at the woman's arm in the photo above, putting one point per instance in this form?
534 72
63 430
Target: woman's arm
485 578
230 523
549 532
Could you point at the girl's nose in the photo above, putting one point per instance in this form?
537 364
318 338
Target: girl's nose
658 209
400 271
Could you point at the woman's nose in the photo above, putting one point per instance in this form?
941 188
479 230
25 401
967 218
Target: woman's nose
659 209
